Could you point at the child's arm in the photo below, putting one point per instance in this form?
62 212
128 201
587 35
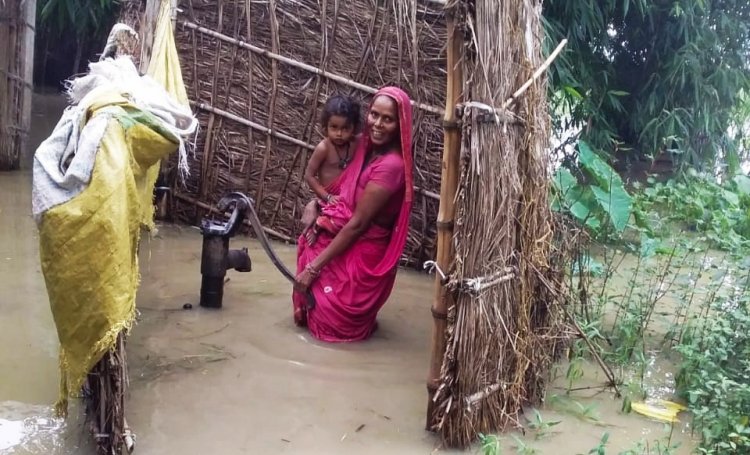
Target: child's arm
316 160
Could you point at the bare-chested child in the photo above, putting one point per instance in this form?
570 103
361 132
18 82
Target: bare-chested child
339 122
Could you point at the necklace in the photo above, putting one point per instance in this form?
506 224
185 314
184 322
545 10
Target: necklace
343 160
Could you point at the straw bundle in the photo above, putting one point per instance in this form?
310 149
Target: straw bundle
104 397
16 62
257 74
503 325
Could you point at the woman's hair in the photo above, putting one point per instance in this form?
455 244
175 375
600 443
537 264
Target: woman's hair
342 106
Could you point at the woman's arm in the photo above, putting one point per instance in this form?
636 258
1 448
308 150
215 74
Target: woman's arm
373 199
317 158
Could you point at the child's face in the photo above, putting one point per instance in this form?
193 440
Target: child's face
339 130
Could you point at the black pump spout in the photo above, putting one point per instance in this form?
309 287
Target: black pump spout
216 257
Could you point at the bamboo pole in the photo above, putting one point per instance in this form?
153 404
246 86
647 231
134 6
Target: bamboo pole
257 126
447 209
27 71
288 61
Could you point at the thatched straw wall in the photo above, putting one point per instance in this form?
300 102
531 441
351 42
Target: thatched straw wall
253 71
259 115
504 323
16 64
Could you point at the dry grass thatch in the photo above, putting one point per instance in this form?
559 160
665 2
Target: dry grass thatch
259 115
504 325
16 61
104 397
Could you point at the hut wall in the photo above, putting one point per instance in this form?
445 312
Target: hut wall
373 43
16 71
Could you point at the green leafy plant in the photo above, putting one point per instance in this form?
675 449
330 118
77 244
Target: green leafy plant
490 444
540 426
715 377
522 448
719 212
586 413
593 193
600 448
659 447
79 20
651 77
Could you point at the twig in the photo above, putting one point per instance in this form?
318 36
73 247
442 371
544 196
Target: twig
213 332
536 74
251 124
607 370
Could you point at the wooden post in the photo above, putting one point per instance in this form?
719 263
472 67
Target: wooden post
146 32
447 209
27 69
16 71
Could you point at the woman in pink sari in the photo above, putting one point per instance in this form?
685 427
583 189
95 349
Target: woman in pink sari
351 267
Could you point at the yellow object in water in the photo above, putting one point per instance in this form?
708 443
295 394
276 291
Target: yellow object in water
661 410
89 244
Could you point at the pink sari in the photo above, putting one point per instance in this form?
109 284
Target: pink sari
353 287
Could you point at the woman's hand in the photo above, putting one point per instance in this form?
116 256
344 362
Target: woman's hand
303 281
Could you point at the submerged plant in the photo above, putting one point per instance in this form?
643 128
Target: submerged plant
600 448
663 446
540 426
490 444
522 448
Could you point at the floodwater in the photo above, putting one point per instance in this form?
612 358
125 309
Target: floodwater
244 379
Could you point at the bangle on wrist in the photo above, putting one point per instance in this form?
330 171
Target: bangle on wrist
311 270
328 197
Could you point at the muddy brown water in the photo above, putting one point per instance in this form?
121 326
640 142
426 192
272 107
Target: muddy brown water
244 379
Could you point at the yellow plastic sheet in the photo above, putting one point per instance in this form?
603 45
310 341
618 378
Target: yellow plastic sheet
89 244
661 410
164 68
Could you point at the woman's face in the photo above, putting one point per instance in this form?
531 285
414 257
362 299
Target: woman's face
383 120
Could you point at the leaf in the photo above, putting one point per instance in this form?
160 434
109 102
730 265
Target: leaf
730 197
648 246
563 180
573 92
597 167
617 203
618 93
743 183
581 203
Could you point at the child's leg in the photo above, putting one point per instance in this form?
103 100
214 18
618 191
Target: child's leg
310 213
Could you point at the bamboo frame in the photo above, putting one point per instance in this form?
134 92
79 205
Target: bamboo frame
446 211
280 58
228 153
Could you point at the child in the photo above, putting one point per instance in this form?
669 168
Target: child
339 121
